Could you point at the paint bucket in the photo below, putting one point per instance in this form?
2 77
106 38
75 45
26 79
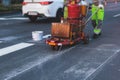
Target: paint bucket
37 35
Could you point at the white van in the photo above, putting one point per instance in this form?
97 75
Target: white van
42 8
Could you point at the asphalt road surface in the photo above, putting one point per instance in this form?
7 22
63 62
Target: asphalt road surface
21 58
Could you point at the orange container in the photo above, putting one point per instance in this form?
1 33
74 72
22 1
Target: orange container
83 5
83 10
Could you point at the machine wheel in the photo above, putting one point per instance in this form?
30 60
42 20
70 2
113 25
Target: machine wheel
86 40
59 14
55 48
33 18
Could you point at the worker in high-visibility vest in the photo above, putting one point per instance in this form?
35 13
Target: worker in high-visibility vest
97 10
65 9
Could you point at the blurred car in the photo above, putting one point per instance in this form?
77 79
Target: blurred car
42 8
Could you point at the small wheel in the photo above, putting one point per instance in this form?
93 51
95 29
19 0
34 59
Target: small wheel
86 40
52 47
55 48
33 18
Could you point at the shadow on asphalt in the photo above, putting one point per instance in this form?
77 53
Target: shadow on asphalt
44 21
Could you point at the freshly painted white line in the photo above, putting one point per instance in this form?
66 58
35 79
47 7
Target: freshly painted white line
40 61
116 15
116 52
46 36
14 48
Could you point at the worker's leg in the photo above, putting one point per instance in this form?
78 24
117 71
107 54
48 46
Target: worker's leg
94 23
100 24
98 29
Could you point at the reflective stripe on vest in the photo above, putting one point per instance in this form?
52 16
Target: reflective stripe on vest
97 31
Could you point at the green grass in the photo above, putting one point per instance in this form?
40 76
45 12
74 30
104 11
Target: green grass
13 7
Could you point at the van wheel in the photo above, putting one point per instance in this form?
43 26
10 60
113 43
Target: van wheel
33 18
59 14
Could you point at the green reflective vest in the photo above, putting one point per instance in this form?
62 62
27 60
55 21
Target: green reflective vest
65 12
99 14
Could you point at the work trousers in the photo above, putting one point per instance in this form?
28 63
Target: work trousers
98 25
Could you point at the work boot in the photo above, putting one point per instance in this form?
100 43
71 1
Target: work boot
95 36
100 34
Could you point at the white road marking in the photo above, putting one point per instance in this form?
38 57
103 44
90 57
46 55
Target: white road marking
16 18
40 61
1 41
14 48
10 38
2 19
116 52
116 15
46 36
85 68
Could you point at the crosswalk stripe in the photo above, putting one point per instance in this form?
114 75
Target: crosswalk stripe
10 38
14 48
